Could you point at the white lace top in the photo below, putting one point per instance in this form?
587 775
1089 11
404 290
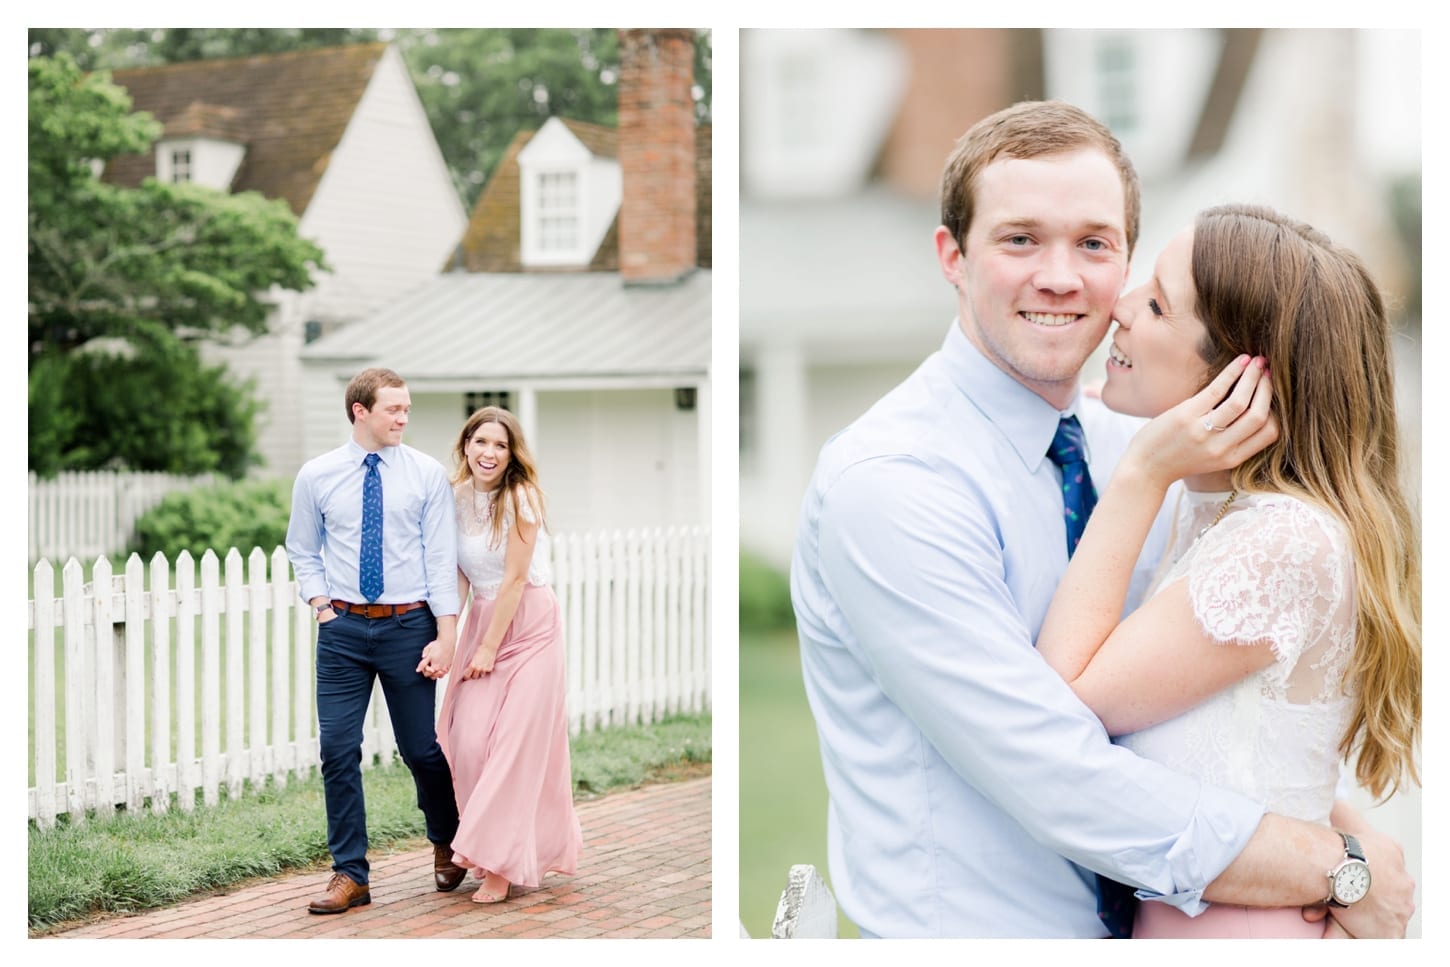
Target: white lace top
482 563
1274 568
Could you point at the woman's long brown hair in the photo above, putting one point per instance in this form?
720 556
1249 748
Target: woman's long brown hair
1272 286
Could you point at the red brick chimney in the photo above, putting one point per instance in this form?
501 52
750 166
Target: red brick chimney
656 155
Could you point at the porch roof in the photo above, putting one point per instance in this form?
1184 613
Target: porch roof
462 326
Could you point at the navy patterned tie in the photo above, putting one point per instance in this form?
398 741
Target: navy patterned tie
370 555
1116 903
1079 498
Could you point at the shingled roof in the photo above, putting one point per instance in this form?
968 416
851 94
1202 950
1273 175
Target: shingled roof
491 242
290 110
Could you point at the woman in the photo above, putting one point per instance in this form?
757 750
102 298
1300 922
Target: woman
1282 633
503 725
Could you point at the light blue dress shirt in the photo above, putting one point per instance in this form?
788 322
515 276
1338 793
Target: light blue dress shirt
969 787
420 536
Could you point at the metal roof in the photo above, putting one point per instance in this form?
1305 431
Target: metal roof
533 326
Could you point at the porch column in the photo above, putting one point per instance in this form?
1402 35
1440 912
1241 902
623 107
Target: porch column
783 461
702 444
527 410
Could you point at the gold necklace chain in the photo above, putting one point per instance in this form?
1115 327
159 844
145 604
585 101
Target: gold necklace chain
1221 511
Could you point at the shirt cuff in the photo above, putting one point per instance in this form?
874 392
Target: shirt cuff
1222 826
442 607
307 591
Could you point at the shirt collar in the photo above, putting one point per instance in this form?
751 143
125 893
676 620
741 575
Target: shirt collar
1027 420
357 454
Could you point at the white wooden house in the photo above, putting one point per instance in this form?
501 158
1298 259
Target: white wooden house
579 297
341 136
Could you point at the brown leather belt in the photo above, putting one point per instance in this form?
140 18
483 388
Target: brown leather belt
377 610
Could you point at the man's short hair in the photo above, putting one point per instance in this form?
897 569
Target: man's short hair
1029 129
363 388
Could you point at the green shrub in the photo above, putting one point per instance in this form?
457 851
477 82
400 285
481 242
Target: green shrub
764 596
180 415
252 513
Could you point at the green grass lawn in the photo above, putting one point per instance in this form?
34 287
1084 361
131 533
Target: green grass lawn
782 791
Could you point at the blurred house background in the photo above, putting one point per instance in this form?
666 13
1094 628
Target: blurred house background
844 133
843 136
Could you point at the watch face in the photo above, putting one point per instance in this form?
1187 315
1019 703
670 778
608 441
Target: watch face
1351 883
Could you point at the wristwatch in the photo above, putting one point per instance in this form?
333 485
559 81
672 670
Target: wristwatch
1349 881
325 606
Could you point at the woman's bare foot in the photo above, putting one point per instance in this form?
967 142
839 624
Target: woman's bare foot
495 889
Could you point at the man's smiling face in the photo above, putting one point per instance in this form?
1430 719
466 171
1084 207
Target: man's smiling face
1046 256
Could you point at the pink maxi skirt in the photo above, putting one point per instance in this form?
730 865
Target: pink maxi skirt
1156 921
506 737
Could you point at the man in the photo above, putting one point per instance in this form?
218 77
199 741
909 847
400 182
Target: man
968 785
374 546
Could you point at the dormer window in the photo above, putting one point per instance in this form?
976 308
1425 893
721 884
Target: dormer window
180 166
569 194
198 160
825 102
558 211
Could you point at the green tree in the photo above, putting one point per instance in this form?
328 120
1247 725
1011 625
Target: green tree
481 87
159 409
116 48
122 281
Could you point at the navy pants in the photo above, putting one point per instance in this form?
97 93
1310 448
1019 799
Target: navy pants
351 651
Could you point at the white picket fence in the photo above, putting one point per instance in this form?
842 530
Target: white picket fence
87 514
201 678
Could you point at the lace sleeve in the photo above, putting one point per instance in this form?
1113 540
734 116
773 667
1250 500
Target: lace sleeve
526 499
1278 572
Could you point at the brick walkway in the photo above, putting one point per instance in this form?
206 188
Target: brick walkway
645 872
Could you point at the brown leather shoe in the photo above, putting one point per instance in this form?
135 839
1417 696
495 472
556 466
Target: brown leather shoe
446 874
342 895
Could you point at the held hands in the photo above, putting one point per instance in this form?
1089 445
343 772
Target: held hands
1216 429
437 658
482 662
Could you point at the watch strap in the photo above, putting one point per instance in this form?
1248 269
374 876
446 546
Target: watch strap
1352 849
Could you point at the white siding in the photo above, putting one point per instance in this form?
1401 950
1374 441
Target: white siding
434 424
323 417
270 362
386 216
385 211
618 459
604 187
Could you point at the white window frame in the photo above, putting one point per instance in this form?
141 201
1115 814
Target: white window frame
558 211
1116 67
181 165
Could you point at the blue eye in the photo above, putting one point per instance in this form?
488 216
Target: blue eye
1096 244
1153 307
